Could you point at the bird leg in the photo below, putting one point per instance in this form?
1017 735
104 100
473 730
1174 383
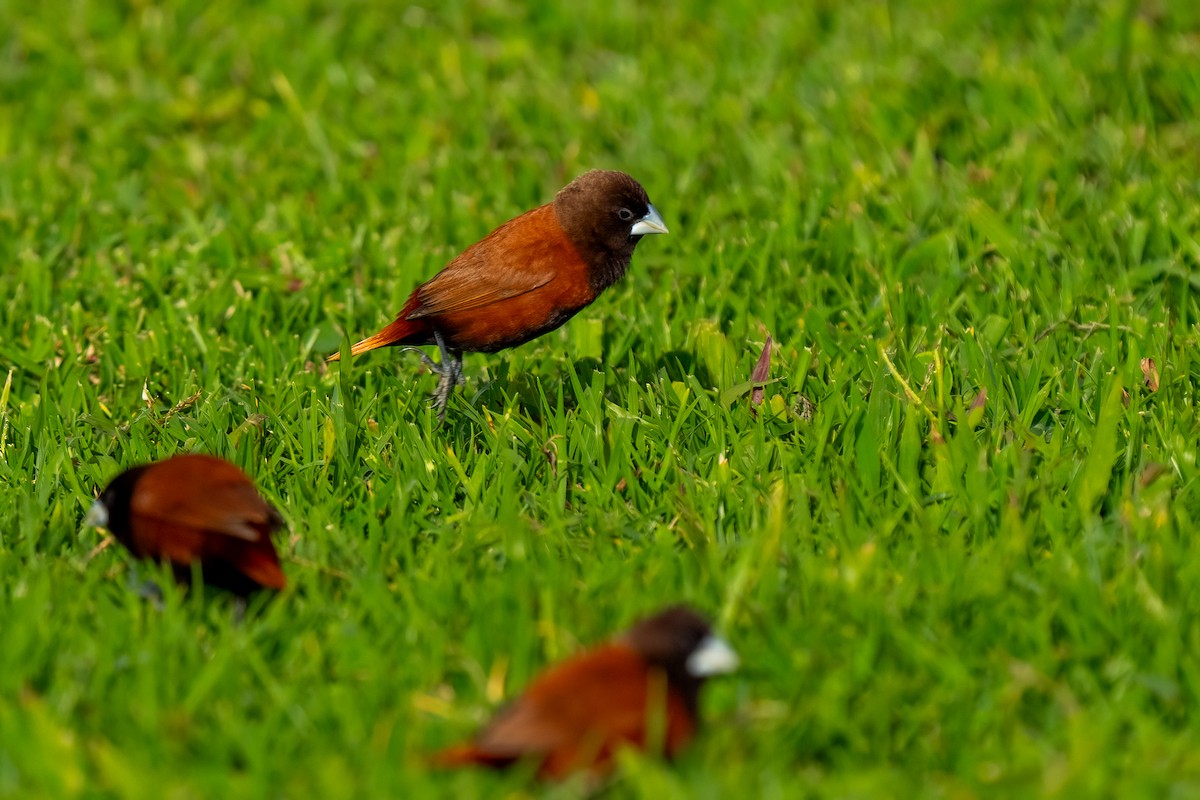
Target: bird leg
146 589
449 372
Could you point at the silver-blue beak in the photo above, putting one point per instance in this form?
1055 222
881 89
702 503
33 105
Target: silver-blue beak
651 223
713 656
97 515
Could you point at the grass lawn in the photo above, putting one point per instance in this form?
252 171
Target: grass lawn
935 591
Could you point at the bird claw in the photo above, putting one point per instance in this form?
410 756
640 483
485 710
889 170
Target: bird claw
449 373
441 396
425 359
451 376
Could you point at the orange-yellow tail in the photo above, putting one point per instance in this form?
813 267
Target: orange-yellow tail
401 331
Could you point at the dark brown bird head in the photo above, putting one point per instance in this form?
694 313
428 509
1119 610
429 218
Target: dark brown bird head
681 642
111 509
605 214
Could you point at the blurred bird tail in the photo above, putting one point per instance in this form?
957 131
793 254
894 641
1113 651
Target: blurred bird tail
466 755
460 755
261 565
401 331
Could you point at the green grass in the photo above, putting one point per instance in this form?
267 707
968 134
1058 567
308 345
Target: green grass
918 201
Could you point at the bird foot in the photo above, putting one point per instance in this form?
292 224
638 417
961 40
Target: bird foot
451 376
449 373
441 395
148 590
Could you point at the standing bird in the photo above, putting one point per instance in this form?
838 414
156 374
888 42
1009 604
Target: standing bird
526 277
195 509
640 690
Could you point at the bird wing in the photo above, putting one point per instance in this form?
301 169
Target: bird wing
583 703
522 255
205 494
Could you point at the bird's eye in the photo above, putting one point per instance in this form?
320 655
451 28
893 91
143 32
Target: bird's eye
625 214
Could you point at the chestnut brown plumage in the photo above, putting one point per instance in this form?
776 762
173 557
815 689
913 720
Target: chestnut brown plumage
526 277
640 691
195 509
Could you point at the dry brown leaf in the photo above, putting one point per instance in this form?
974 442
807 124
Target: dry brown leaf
1150 374
1151 473
761 370
980 399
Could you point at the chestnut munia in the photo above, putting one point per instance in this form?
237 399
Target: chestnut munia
195 510
525 278
578 714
